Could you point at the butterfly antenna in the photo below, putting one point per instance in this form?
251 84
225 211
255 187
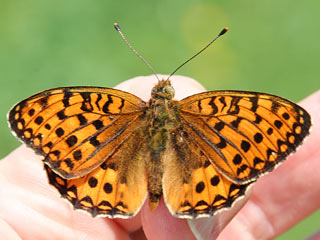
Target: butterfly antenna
219 35
117 27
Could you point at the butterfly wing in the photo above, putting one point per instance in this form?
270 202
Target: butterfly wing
192 186
88 137
244 134
115 189
223 142
75 128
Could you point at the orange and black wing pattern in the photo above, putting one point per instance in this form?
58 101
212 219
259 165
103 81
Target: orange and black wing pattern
80 131
192 186
224 142
245 134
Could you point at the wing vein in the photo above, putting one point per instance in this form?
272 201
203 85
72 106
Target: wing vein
212 145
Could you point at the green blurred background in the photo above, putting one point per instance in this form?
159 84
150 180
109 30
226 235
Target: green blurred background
272 46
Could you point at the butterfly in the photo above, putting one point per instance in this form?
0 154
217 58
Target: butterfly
106 150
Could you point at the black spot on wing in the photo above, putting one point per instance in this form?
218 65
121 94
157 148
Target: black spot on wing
245 145
72 140
92 182
215 180
237 159
200 187
38 120
286 116
219 126
97 124
278 124
94 142
108 188
258 137
31 112
61 115
59 132
77 155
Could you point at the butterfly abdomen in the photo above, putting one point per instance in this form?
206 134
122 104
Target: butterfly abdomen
161 116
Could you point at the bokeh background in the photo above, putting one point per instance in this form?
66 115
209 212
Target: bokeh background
272 46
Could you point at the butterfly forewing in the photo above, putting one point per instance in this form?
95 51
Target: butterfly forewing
244 134
76 128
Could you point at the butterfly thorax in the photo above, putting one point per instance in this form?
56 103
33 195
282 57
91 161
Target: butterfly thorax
161 116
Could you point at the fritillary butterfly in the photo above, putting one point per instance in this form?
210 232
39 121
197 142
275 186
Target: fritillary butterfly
105 150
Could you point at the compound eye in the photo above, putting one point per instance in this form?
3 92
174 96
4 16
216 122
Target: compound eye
169 90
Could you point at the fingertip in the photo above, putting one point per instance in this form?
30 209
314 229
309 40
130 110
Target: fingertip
203 227
130 225
211 227
160 222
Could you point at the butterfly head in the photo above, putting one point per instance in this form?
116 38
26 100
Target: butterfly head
163 90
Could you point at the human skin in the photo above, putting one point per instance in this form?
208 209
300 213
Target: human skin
30 208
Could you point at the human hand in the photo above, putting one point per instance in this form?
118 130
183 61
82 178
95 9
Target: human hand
30 208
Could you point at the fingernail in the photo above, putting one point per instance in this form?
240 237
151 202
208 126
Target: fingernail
203 228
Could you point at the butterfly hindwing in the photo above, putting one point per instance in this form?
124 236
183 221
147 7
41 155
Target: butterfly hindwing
116 189
192 186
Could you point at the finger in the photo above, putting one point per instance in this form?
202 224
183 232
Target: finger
160 223
315 236
30 199
210 228
6 231
283 198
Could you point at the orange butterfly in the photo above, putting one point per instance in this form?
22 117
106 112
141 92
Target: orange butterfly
105 150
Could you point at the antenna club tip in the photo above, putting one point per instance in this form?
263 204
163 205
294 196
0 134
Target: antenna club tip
224 31
116 26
